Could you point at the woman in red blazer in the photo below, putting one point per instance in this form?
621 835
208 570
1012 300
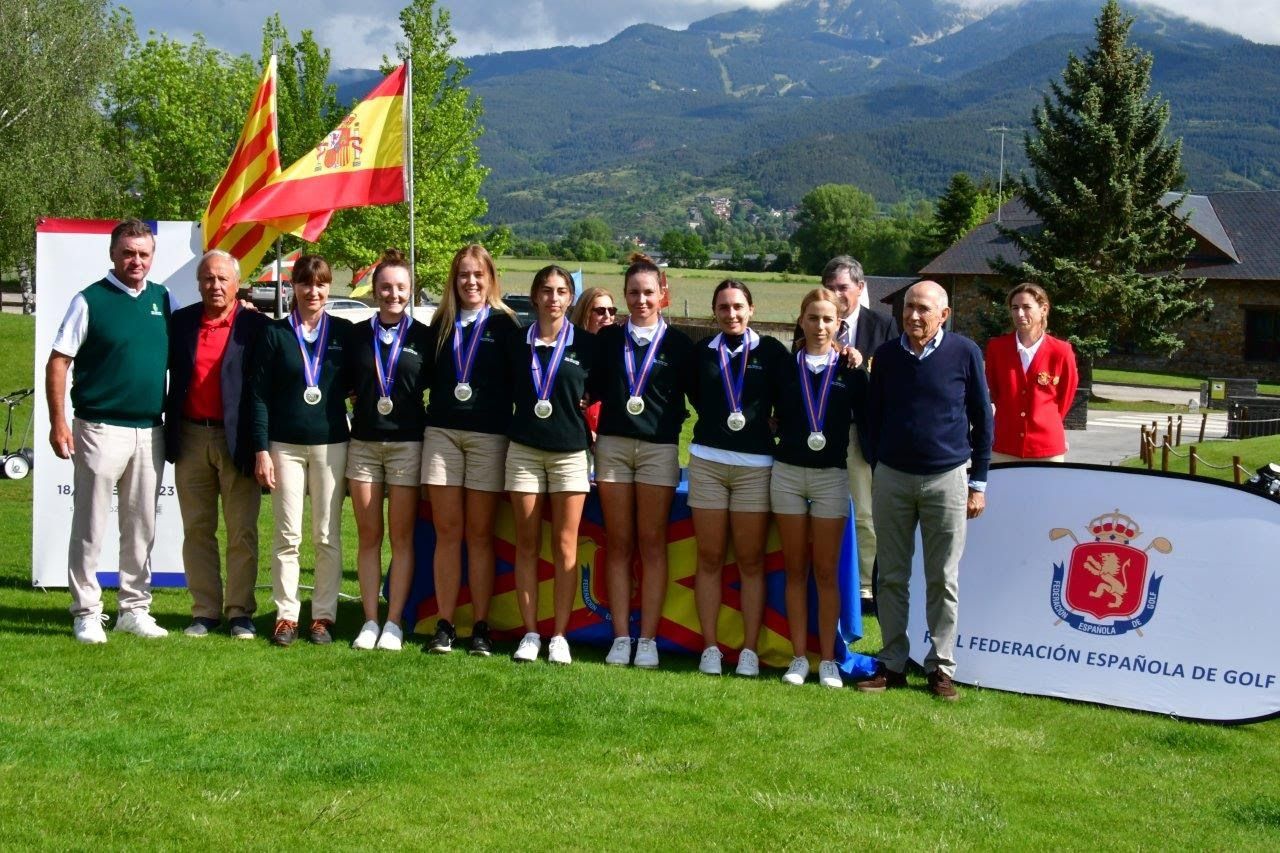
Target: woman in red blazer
1032 377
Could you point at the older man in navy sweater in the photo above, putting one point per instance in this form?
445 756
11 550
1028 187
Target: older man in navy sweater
929 416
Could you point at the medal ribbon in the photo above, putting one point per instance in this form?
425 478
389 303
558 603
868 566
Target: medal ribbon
311 364
637 385
817 415
464 360
733 385
387 372
543 383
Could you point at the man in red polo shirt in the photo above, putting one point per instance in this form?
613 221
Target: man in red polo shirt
205 425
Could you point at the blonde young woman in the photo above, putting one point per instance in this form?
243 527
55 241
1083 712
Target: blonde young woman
640 378
809 489
594 311
729 467
389 358
300 440
548 368
465 445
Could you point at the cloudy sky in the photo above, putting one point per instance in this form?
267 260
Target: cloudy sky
360 33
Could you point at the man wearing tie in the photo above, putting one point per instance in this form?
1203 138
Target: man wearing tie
864 330
205 428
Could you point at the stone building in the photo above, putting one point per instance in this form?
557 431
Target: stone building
1237 252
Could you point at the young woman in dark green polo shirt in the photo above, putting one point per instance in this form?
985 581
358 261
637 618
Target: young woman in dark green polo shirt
548 366
809 488
300 437
729 466
389 359
640 378
465 447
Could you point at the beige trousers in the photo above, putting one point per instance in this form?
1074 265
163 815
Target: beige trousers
860 490
317 470
128 461
204 473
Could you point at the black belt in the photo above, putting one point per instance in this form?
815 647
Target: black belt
205 422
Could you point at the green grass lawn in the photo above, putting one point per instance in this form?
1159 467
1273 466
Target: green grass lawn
1164 380
1215 456
215 743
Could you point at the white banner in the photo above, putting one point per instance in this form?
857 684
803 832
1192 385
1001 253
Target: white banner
1146 591
71 254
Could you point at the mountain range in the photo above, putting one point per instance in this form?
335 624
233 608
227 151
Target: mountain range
891 95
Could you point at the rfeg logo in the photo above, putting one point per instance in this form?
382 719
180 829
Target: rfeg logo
1106 578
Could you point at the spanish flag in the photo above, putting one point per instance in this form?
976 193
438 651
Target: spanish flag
361 162
255 160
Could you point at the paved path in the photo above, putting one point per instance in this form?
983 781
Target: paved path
1172 396
1113 436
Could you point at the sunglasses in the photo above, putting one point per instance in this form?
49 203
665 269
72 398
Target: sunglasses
601 311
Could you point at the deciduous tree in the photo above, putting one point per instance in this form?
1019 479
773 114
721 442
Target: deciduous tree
834 219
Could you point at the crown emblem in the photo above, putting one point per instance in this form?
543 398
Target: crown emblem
1114 526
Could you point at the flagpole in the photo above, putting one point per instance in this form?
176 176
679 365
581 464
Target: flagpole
408 159
279 277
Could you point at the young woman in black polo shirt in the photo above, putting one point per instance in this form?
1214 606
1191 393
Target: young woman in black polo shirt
640 378
548 366
300 436
465 446
810 485
729 466
389 358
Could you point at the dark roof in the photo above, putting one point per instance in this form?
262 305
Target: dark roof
881 288
1237 235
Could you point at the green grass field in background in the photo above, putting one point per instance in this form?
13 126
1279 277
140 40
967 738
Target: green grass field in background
214 743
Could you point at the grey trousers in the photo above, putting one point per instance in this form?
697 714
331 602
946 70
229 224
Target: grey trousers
936 503
127 461
204 473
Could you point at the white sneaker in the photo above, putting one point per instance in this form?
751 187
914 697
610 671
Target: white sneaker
367 637
748 664
710 662
558 650
140 623
527 651
797 672
392 638
88 629
647 653
619 652
829 675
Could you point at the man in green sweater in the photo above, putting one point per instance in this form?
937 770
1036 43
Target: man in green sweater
116 334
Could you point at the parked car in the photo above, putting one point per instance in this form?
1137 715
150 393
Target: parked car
263 295
350 309
522 305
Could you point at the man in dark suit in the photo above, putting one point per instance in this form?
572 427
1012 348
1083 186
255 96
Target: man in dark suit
205 437
864 330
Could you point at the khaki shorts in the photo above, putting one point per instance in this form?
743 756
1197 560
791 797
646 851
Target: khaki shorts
815 492
393 462
630 460
532 470
737 488
457 457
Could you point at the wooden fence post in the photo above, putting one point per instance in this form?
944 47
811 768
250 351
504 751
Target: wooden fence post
1192 459
1178 435
1235 469
1164 455
1204 422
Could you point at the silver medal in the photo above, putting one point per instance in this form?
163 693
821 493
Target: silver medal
462 391
635 405
311 396
387 336
542 409
385 405
817 441
736 421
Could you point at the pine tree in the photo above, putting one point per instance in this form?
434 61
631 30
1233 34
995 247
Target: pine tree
960 209
1110 254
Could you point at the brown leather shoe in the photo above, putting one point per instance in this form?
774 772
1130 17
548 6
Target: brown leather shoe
884 679
320 635
285 633
940 686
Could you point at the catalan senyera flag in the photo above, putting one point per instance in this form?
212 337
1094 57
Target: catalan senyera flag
255 160
360 162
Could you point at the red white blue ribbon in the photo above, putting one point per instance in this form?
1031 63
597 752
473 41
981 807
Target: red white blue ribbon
816 411
733 384
387 371
637 384
464 359
311 362
544 381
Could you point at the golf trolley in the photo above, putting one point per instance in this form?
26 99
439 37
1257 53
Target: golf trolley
16 464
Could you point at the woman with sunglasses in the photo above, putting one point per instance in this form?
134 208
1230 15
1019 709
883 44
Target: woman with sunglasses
389 356
548 368
729 466
465 444
594 311
810 485
299 400
641 375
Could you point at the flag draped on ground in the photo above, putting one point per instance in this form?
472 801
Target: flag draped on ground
360 162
